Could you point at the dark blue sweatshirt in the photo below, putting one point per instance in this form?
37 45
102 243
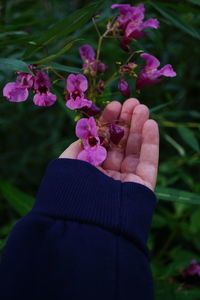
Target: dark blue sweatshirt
85 238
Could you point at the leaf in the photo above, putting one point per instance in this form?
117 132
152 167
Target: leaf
64 28
197 2
56 55
17 199
68 69
189 138
178 147
175 195
176 20
14 65
15 33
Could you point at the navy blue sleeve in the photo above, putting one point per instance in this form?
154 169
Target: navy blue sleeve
85 238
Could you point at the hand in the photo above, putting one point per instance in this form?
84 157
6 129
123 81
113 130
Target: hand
136 159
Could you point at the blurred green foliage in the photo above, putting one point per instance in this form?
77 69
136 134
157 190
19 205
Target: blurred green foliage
32 136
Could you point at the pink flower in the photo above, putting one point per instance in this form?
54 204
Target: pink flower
44 99
150 74
90 65
76 86
124 88
193 269
130 21
93 152
43 96
14 92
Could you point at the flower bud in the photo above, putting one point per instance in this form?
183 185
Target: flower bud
124 88
92 110
116 133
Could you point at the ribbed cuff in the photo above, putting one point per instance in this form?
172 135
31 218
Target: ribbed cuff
74 189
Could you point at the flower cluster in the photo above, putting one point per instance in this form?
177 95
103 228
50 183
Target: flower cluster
129 23
96 139
85 92
38 81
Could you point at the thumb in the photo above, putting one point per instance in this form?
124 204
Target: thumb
72 151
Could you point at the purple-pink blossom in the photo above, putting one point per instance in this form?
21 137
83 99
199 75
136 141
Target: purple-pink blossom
150 74
131 22
91 66
92 152
76 86
193 269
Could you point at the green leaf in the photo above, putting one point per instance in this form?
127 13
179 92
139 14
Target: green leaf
68 69
189 138
17 199
56 55
176 20
197 2
64 28
13 65
175 195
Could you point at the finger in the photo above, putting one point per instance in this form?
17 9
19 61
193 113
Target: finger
148 161
72 151
133 146
111 112
116 153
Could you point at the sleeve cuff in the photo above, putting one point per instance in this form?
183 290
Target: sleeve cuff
74 189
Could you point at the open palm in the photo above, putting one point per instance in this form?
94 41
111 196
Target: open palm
136 158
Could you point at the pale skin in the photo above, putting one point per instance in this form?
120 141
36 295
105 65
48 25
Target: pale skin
136 159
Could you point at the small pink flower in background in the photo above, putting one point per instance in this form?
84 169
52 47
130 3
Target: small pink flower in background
124 88
43 96
18 91
90 65
150 74
130 22
93 152
14 92
76 86
193 269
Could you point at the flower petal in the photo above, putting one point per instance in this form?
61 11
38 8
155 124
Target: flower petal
87 52
152 61
151 23
167 71
86 127
44 99
78 103
76 83
14 92
94 155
